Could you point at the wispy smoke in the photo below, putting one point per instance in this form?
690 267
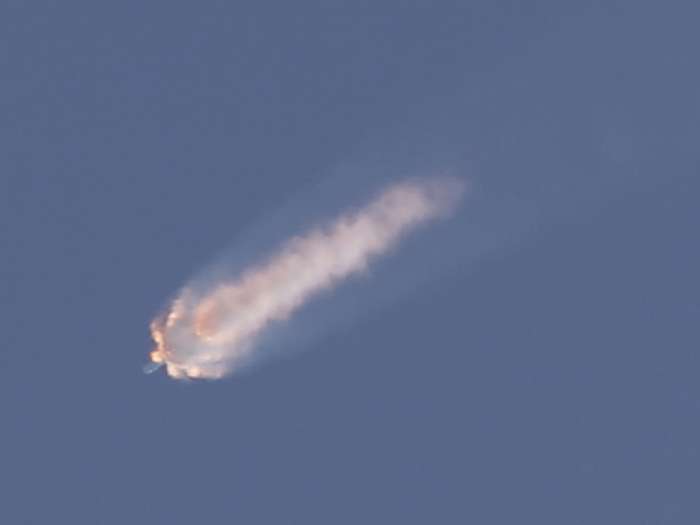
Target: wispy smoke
208 333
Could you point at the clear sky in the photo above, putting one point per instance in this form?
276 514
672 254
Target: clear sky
549 379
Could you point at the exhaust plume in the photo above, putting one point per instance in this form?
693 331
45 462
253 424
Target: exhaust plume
211 331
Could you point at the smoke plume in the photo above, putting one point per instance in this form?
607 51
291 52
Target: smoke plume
211 331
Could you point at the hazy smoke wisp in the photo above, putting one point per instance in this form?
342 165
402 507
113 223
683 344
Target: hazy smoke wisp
209 333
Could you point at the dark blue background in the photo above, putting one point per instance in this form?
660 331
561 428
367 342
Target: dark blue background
554 381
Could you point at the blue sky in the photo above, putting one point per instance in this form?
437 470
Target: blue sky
550 379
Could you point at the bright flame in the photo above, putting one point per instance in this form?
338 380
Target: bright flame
207 334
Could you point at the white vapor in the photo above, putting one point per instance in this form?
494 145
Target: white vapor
209 333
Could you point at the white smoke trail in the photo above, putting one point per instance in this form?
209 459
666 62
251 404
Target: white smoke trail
209 333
